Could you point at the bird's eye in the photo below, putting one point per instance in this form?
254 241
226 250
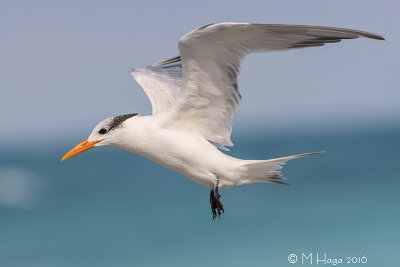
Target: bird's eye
102 131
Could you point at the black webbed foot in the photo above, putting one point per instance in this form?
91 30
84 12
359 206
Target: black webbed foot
217 207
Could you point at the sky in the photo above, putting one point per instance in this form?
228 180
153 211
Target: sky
65 64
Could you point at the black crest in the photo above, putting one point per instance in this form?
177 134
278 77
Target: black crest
118 120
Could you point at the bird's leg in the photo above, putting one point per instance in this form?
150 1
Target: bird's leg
213 204
215 201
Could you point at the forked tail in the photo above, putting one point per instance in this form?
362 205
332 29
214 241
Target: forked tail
253 171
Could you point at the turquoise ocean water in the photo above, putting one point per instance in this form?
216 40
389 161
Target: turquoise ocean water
108 207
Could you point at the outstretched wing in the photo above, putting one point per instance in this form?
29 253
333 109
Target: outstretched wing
211 58
161 83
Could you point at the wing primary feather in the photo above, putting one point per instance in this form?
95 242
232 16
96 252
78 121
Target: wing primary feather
205 26
303 45
324 28
277 182
168 61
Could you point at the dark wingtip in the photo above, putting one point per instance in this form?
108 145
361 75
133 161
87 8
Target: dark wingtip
374 36
205 26
278 182
309 154
171 60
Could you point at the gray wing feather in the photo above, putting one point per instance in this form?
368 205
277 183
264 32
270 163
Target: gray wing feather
161 83
211 57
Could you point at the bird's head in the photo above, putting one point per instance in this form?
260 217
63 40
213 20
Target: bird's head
105 133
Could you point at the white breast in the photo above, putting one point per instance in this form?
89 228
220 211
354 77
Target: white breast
183 151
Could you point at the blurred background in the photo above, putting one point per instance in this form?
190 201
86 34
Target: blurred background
64 68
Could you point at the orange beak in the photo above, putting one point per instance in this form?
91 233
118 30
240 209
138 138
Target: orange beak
82 147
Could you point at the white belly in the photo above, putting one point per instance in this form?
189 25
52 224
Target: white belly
184 152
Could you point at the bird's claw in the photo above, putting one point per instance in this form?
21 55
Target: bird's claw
217 207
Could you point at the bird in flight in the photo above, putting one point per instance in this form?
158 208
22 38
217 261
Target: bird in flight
193 98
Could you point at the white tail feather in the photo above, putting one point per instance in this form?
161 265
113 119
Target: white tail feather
253 171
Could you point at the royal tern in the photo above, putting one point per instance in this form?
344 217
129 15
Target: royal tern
193 98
